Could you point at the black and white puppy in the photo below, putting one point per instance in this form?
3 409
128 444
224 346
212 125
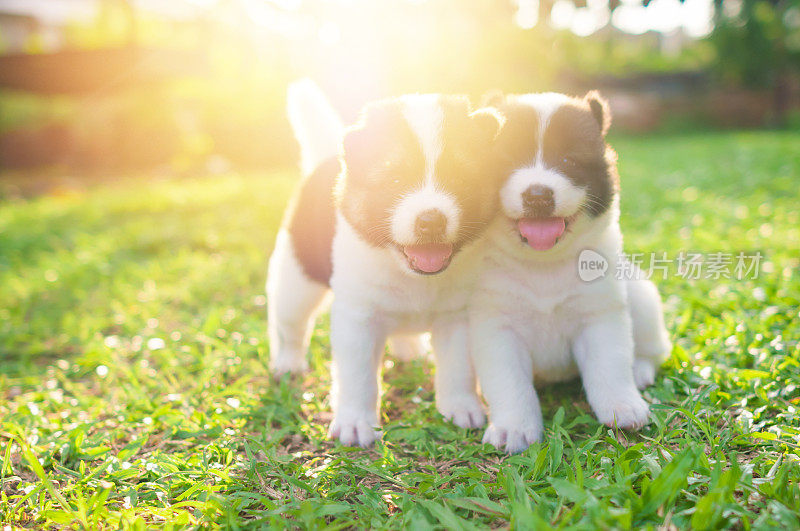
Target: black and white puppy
531 316
385 219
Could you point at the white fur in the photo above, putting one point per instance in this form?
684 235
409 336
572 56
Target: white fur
411 205
425 117
650 338
292 302
315 123
545 103
293 299
376 296
407 347
532 318
566 196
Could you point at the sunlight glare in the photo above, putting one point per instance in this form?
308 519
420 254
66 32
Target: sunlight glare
562 14
665 16
591 18
329 33
698 17
274 19
52 11
581 21
527 15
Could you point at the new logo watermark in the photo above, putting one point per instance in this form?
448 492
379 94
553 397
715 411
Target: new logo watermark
591 265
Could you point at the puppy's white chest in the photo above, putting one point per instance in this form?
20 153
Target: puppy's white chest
548 338
372 279
545 308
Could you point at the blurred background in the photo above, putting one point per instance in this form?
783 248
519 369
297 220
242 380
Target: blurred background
94 86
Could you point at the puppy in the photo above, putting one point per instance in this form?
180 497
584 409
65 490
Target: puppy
531 315
385 219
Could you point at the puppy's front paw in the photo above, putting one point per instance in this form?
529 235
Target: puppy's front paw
644 373
627 411
464 411
354 430
513 437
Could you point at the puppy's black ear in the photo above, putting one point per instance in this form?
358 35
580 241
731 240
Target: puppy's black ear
355 145
488 121
360 138
600 111
493 98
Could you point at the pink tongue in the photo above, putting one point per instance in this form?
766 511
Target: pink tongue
429 257
541 233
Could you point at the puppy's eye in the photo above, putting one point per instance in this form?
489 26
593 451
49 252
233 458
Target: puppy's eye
568 161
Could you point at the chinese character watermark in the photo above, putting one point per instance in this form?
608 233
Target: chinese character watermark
686 265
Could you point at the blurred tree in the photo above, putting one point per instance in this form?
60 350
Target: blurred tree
758 46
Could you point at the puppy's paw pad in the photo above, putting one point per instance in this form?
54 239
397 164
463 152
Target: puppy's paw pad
513 439
644 373
464 412
630 412
352 430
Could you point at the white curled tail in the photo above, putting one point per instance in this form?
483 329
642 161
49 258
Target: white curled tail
315 123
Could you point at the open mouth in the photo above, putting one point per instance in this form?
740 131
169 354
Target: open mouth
428 258
543 233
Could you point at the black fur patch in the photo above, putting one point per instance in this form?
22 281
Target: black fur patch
465 167
310 220
599 107
384 161
518 142
573 144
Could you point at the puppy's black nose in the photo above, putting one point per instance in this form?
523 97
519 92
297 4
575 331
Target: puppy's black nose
538 201
430 224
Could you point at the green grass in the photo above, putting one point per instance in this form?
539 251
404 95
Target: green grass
134 390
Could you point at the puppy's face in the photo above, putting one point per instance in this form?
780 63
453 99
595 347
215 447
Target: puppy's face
560 173
418 178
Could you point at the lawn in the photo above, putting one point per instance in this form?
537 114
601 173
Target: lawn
134 390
